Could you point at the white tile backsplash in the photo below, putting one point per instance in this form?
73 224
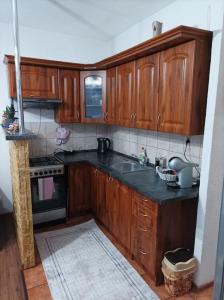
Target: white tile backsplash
124 140
156 143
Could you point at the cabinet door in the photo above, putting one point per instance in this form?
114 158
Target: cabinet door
123 230
37 82
112 204
111 96
79 190
101 212
98 195
175 95
125 93
93 96
69 110
145 105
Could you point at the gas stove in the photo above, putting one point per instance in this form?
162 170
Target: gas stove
45 166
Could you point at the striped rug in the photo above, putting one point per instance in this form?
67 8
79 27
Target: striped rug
81 263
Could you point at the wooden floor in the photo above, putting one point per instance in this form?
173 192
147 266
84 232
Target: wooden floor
12 284
36 288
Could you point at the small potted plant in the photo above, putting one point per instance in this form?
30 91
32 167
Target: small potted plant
8 116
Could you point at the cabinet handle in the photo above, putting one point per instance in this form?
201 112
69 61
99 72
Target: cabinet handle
142 252
105 116
108 179
95 171
77 115
158 118
134 116
131 117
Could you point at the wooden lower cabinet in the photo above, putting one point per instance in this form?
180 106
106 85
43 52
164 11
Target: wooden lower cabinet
79 190
123 231
112 205
98 194
143 232
145 229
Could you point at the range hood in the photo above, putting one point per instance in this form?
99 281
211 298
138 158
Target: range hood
41 103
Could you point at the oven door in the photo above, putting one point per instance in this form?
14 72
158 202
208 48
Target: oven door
48 193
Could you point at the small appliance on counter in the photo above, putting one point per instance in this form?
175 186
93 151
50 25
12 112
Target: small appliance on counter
184 171
103 145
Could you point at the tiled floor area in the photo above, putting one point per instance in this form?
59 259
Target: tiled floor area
37 287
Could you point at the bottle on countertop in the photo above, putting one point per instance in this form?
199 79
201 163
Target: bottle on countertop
143 158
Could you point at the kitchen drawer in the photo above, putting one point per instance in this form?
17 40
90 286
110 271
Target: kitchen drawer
142 246
145 222
143 207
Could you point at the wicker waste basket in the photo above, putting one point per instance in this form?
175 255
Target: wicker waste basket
178 267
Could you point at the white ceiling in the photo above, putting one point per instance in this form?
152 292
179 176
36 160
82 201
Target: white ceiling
101 19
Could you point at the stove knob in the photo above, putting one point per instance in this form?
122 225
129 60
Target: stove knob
41 173
50 172
45 172
59 171
35 173
54 171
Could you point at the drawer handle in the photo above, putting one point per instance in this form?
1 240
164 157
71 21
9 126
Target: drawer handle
142 229
142 252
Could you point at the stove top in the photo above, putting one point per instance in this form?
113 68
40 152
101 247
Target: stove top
43 161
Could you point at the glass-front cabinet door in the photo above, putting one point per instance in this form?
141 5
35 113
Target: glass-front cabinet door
93 96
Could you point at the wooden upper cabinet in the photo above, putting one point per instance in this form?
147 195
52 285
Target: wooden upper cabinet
145 104
125 93
93 96
69 110
183 89
111 96
37 82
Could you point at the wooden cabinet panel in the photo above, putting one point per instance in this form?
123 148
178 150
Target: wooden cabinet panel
93 96
145 105
123 230
125 93
37 82
79 189
112 205
111 96
101 212
98 194
69 110
176 82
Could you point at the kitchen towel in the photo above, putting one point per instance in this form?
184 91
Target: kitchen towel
46 188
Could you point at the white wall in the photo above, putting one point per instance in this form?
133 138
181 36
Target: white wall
207 15
40 44
201 13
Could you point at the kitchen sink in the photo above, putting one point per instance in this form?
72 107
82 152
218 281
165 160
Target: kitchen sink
128 167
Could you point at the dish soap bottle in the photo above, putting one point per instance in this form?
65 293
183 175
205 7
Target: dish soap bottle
142 157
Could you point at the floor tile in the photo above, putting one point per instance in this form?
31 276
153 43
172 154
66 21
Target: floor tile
34 276
206 294
39 293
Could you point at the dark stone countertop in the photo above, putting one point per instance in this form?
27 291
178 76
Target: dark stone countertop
146 182
17 136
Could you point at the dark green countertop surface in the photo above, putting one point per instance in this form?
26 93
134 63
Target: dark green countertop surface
146 182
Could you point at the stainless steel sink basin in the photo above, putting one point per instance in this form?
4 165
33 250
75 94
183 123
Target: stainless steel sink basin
127 167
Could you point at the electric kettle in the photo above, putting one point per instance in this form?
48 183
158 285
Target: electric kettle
103 144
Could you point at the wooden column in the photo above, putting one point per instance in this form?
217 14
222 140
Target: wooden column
22 204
